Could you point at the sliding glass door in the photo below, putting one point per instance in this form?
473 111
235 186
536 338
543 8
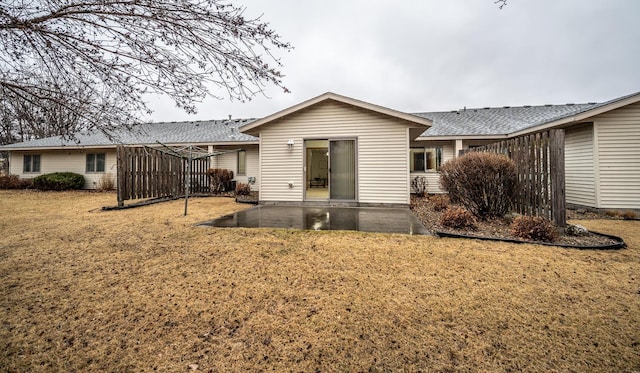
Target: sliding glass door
330 170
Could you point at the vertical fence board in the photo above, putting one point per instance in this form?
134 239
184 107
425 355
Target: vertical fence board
151 173
539 160
120 167
557 177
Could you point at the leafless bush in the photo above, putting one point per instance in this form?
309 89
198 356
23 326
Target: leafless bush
484 183
534 228
106 182
243 189
14 182
419 186
439 202
220 179
457 218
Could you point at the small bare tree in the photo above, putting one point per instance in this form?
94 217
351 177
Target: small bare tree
120 50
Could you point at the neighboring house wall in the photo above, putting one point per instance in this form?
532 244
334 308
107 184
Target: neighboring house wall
618 151
580 182
433 177
382 159
66 161
229 161
448 153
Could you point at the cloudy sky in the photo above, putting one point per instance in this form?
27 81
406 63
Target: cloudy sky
433 55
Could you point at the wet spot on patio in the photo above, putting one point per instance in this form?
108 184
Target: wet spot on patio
364 219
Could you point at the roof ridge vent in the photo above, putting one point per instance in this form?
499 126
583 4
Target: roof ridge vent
507 107
527 106
570 104
548 105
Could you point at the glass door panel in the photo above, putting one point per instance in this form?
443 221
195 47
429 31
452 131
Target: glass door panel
317 169
342 169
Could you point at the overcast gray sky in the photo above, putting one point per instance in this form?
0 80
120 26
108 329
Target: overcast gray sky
432 55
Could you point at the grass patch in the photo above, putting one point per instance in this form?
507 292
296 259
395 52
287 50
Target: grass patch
143 289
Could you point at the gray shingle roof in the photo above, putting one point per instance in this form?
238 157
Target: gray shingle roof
497 121
504 120
199 132
466 122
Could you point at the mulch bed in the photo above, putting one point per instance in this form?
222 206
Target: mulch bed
251 198
500 228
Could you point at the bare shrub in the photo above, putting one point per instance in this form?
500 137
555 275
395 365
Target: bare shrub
106 182
243 189
439 202
220 179
534 228
457 218
612 213
484 183
419 186
14 182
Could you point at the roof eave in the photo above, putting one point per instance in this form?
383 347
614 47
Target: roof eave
580 117
462 137
110 146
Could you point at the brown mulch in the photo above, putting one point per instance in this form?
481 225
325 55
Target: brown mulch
251 198
501 227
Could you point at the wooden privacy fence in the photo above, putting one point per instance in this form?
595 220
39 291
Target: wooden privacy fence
145 172
539 161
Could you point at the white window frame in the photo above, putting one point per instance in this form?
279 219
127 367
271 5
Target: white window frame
425 150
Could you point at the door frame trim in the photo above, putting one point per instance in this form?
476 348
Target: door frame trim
304 169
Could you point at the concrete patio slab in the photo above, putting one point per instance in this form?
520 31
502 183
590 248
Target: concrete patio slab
364 219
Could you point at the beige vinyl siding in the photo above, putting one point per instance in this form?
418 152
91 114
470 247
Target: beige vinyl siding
229 161
433 177
618 138
382 146
67 161
253 166
580 180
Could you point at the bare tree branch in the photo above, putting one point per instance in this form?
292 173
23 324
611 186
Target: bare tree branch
128 48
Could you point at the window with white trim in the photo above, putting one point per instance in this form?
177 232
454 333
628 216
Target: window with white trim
425 159
31 163
96 162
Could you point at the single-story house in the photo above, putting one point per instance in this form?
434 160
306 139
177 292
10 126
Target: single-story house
339 150
93 155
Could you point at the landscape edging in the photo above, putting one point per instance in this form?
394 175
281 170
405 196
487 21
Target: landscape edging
620 245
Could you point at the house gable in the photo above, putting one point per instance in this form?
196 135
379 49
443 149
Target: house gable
412 121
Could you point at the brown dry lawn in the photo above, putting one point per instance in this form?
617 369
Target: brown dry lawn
144 290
